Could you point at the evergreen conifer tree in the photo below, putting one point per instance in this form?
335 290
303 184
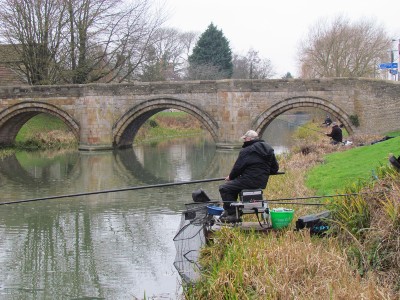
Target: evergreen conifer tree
211 57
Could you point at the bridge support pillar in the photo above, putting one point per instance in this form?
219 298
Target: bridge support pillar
96 118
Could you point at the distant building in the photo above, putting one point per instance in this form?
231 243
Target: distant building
8 57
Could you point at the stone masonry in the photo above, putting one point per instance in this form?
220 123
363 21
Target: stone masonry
105 116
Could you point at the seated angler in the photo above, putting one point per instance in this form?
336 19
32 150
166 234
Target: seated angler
336 134
256 161
328 121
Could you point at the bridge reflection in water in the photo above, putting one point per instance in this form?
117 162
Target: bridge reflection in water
111 246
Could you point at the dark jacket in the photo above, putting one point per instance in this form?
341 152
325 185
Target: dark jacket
336 134
256 161
327 121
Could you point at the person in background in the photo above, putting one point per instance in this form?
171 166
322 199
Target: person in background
328 121
255 162
336 134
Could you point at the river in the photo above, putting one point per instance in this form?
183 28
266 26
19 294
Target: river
115 245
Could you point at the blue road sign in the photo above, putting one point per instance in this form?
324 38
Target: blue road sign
392 65
393 71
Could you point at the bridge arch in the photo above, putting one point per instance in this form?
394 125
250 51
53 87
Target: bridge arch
265 118
14 117
11 165
128 125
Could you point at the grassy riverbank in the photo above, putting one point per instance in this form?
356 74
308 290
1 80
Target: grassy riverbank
41 132
358 164
48 132
45 132
167 124
358 260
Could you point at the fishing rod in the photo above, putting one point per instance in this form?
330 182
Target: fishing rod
279 200
319 197
113 190
299 203
119 190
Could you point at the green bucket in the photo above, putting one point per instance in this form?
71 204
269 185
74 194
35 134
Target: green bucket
281 217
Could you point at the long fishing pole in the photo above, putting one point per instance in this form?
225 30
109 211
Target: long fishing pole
113 190
300 203
119 190
279 200
319 197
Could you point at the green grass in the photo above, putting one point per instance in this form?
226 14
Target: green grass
167 124
170 114
40 123
356 165
393 133
159 133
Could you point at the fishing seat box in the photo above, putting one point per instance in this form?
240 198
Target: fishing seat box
314 222
250 195
252 200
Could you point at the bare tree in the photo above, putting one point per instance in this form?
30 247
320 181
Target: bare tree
35 29
343 49
251 66
188 40
81 40
166 58
109 38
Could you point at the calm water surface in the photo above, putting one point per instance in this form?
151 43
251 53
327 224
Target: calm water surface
106 246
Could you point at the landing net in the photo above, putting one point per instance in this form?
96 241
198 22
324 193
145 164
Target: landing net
189 239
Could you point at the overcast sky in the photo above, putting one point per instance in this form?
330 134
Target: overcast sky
275 27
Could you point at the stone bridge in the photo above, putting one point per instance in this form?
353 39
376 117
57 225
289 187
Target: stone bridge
106 116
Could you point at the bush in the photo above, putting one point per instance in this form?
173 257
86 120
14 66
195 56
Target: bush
354 120
153 123
48 140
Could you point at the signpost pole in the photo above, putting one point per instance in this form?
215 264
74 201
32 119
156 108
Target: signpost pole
398 56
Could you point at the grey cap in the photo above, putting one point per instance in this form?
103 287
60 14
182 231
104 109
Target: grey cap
250 134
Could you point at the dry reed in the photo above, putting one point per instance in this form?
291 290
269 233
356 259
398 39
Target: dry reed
49 140
293 265
284 265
